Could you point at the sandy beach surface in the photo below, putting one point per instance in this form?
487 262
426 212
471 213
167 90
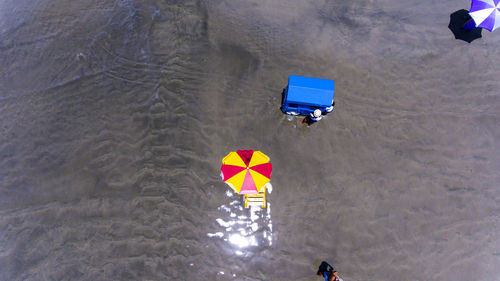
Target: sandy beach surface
115 115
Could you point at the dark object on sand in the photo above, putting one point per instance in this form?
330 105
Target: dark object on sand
457 21
324 267
326 271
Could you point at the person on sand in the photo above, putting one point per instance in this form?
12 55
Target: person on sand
326 271
313 117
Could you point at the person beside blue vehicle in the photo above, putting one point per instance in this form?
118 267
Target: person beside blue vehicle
317 115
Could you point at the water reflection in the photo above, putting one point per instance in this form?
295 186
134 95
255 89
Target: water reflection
244 229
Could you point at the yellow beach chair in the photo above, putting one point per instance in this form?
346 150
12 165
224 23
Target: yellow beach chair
256 199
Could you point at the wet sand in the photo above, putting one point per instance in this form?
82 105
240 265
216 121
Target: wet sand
115 115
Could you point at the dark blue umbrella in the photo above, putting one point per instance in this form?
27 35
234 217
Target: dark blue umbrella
486 13
463 27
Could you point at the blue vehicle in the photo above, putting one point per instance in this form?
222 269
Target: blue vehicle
303 95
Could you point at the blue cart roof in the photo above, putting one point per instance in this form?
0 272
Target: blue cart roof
308 90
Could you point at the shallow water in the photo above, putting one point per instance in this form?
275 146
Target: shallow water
115 115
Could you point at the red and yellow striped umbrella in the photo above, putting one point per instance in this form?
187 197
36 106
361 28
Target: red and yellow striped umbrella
246 171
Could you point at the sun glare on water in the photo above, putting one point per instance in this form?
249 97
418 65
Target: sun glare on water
244 228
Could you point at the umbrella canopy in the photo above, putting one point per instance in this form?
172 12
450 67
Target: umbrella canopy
246 171
457 21
486 13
